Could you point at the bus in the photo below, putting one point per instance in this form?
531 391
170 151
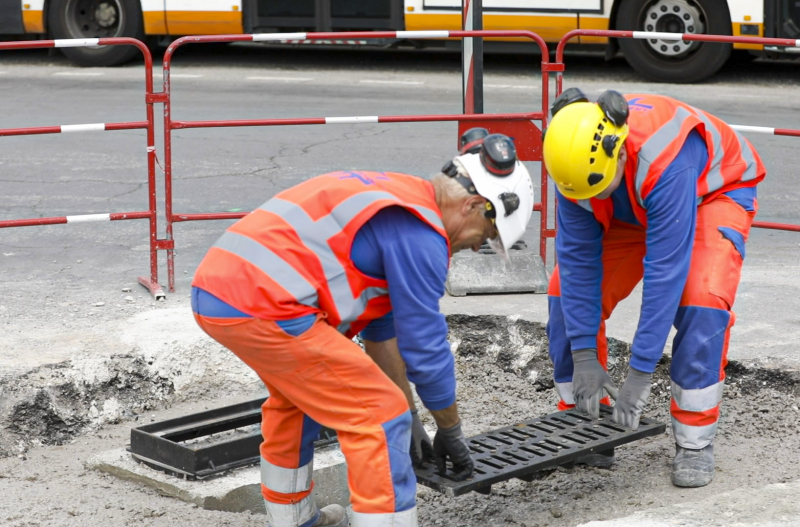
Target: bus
658 60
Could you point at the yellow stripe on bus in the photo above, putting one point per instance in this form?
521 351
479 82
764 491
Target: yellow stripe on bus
204 22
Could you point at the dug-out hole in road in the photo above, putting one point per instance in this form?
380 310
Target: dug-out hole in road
505 376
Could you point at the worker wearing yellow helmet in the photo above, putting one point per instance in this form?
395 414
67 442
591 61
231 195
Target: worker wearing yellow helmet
648 188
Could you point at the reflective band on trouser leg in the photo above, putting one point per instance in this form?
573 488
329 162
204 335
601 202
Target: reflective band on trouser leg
695 414
301 514
286 480
396 519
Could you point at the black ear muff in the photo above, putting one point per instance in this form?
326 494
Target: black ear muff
450 169
595 178
471 140
568 97
498 155
614 106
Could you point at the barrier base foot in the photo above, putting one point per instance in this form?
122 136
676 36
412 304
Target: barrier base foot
155 289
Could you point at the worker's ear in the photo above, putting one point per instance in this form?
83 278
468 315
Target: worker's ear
472 205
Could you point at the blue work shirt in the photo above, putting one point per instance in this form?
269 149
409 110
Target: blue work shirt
671 215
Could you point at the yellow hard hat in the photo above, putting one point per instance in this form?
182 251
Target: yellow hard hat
582 143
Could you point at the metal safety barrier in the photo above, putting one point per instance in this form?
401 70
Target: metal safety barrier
645 35
527 135
151 282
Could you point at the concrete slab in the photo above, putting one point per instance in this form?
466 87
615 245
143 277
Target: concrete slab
477 273
235 491
770 506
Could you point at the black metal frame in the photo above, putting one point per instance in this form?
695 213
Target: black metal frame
159 445
521 450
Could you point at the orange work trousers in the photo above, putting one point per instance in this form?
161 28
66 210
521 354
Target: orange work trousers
323 378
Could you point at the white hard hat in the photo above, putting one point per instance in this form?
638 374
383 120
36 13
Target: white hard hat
502 179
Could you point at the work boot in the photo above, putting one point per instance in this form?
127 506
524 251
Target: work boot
693 468
603 459
332 516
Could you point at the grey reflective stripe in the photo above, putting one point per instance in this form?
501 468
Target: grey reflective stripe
653 147
286 480
751 167
564 390
315 236
390 519
271 264
304 512
694 437
429 215
698 400
367 295
586 204
714 178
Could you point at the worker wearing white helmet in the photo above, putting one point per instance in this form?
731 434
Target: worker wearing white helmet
348 253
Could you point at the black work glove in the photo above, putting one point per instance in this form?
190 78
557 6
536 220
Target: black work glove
632 398
451 442
589 379
421 447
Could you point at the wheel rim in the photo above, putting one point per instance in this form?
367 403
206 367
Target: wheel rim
94 18
673 16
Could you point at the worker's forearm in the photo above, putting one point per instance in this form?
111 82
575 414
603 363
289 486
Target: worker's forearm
387 356
446 418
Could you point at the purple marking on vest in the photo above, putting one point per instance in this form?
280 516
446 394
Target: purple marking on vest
364 179
634 103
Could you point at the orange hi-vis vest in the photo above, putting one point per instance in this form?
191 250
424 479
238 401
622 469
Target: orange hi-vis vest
659 127
291 256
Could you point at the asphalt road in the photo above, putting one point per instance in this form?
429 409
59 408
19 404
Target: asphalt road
45 271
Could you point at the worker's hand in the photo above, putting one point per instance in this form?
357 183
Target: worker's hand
450 442
421 446
632 398
589 379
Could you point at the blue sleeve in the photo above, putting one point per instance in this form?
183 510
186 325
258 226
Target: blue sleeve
415 262
579 247
671 217
380 329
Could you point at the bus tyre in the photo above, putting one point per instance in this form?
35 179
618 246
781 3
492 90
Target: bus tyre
674 60
96 19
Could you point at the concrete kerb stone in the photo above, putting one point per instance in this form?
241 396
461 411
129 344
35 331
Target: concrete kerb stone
234 491
476 273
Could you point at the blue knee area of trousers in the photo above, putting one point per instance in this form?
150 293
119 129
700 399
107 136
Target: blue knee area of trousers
559 346
697 348
310 432
398 439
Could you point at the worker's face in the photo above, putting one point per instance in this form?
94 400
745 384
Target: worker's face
621 160
471 227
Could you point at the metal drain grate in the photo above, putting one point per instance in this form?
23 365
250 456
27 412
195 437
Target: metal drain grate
520 450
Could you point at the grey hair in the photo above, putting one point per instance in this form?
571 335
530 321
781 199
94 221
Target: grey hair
452 189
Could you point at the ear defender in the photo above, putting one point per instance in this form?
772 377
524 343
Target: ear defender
614 106
568 97
471 140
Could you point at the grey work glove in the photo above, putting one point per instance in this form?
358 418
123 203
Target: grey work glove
450 442
632 398
589 379
421 446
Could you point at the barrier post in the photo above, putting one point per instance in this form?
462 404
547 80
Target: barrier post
150 282
472 57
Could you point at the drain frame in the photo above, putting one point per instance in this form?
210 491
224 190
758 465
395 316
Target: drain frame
521 450
161 445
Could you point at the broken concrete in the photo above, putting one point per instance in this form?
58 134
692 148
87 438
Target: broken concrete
234 491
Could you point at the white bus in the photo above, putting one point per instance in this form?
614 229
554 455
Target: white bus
656 59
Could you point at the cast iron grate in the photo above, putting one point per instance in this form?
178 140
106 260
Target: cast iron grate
203 444
520 450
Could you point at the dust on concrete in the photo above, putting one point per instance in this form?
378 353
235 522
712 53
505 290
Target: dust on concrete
504 376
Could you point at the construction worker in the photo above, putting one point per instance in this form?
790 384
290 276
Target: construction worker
346 253
648 187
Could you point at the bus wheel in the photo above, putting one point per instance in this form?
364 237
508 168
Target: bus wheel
96 19
674 60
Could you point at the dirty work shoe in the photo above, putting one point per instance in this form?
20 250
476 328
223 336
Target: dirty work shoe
332 516
693 468
598 459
